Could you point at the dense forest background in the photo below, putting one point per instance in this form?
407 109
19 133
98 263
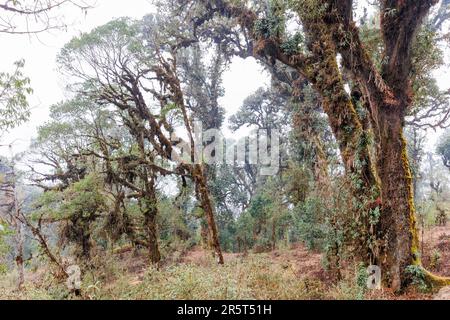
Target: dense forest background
328 168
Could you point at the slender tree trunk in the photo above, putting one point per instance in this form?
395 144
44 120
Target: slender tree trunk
422 223
44 246
150 216
19 231
207 207
19 255
274 226
204 234
152 235
86 246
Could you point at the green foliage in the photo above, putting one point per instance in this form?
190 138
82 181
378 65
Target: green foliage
418 277
99 50
273 25
84 198
262 110
427 213
173 228
252 224
443 149
123 31
428 98
14 90
5 232
308 9
298 184
361 280
371 36
294 44
427 54
310 223
435 259
83 204
76 208
266 221
203 83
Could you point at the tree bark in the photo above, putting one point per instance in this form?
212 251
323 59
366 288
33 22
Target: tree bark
19 255
37 232
150 215
398 226
152 235
206 204
86 245
274 239
398 221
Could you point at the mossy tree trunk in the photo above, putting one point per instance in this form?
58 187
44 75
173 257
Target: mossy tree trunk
85 244
206 204
397 227
152 234
150 216
19 255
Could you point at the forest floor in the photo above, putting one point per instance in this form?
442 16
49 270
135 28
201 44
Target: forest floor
436 250
289 273
302 262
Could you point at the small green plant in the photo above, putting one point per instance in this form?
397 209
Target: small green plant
435 260
293 45
417 276
361 281
273 25
4 247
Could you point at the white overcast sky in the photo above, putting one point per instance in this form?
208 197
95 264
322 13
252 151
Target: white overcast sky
40 52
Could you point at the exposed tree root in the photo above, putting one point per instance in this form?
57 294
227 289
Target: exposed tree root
435 280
